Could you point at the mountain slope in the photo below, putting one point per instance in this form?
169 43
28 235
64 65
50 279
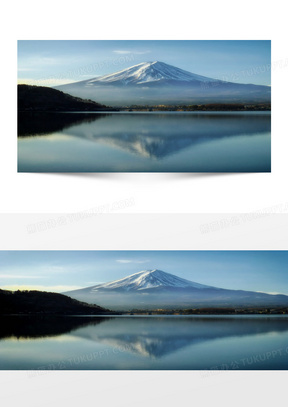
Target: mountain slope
148 72
159 83
41 98
151 289
35 302
146 279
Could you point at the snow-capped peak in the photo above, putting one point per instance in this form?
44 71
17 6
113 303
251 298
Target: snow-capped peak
147 72
148 279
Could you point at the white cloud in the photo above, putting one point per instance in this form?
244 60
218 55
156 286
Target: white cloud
26 69
271 292
56 269
42 60
19 276
90 75
123 52
45 82
52 288
132 261
95 282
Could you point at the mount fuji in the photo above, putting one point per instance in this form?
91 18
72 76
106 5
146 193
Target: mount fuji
150 83
148 279
149 73
152 289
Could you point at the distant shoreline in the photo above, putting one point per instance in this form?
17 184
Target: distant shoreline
45 99
143 314
176 313
119 109
215 107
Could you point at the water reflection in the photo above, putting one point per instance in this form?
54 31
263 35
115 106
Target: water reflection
160 135
39 124
95 343
156 337
145 142
25 327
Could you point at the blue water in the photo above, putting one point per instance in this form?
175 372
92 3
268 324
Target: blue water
150 342
148 142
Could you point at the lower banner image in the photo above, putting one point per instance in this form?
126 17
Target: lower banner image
143 310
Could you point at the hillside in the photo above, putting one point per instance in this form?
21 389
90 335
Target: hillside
156 289
41 98
38 302
157 83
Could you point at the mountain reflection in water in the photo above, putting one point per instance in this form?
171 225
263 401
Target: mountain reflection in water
160 135
152 342
156 337
64 143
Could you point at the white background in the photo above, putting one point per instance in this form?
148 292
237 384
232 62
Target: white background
143 193
96 231
92 231
161 193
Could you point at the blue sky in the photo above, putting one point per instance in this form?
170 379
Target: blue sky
52 63
58 271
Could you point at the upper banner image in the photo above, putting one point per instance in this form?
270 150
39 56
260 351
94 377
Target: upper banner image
144 106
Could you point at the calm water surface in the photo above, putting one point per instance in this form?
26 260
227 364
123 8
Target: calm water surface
152 142
152 342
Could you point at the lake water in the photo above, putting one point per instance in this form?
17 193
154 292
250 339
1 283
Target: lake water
147 342
148 141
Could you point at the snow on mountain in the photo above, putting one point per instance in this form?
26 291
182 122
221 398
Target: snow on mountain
152 83
149 72
148 279
152 289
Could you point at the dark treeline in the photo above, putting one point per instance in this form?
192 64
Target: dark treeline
38 302
211 311
41 98
210 107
